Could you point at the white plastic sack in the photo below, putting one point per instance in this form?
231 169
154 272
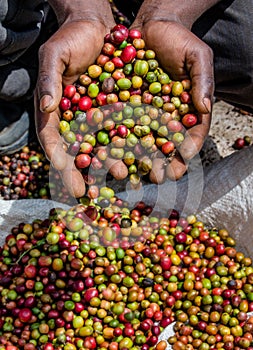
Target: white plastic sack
14 212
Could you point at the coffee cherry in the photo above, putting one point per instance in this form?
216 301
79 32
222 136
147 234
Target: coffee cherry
239 143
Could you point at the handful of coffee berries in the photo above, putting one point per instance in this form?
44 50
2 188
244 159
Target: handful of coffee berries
125 107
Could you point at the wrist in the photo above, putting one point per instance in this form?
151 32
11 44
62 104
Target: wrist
184 12
79 10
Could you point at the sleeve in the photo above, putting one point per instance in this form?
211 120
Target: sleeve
20 24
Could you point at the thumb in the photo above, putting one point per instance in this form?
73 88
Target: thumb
49 84
202 75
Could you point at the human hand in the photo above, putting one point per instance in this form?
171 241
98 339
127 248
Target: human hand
63 58
182 55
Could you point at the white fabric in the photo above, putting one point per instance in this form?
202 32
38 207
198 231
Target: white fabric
14 212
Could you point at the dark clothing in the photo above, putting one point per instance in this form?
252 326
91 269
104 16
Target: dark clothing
227 29
24 26
20 25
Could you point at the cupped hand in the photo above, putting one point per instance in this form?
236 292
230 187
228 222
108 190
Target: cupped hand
62 59
183 55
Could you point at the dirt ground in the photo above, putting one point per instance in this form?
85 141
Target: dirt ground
228 124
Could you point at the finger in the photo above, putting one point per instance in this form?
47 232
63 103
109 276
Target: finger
157 173
200 66
176 168
49 85
195 137
72 178
116 168
47 127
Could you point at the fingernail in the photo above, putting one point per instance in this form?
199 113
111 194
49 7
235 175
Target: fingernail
45 102
207 103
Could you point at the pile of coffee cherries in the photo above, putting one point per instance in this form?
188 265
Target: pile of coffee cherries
125 107
25 175
103 276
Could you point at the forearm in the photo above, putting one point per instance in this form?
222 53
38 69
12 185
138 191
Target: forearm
81 9
184 11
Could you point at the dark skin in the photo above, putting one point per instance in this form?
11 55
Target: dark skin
60 64
183 55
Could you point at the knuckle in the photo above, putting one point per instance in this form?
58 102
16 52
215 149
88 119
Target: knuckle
46 49
210 83
44 77
207 50
201 50
43 84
